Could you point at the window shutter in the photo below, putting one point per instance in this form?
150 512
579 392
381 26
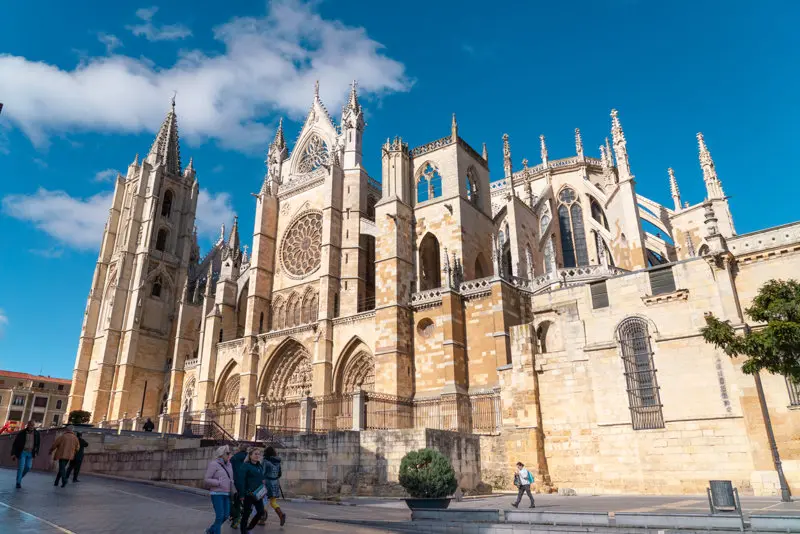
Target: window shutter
599 295
662 281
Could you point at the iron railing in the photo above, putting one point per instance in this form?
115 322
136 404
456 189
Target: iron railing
383 412
333 412
282 416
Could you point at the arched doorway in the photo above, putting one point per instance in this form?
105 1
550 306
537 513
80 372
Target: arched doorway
430 270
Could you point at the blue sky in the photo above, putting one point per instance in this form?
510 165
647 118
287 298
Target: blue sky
86 85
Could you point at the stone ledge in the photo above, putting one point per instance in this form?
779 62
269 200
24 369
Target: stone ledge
680 294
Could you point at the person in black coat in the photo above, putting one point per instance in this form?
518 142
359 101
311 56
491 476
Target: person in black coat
149 426
25 448
75 463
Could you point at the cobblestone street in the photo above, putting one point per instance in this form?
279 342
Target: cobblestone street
98 505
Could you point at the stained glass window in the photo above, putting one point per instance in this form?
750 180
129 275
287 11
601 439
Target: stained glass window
573 235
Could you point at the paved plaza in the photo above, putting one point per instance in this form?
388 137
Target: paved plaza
100 505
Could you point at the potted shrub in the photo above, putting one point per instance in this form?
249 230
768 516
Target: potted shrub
428 478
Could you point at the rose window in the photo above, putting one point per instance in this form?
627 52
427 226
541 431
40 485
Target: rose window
302 244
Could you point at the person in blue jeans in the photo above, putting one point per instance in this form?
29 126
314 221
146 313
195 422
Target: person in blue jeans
24 449
219 479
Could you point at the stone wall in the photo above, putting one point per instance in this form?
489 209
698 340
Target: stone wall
350 463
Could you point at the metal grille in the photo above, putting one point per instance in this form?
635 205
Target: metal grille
387 411
640 374
333 412
283 416
794 392
599 295
662 281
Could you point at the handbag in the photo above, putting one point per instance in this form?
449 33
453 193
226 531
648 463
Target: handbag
516 480
260 492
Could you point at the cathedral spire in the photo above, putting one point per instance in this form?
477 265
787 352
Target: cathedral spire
507 171
135 161
279 141
578 143
713 184
673 188
352 101
543 147
485 154
166 148
454 129
233 239
620 148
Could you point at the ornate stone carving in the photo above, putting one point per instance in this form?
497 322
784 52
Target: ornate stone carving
230 392
315 155
302 243
291 374
359 373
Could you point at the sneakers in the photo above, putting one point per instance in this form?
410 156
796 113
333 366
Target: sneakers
532 506
283 519
19 485
515 505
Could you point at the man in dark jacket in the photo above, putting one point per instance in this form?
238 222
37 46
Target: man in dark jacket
236 504
25 448
75 464
149 426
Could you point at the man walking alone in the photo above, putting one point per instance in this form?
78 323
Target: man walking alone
65 447
523 480
25 448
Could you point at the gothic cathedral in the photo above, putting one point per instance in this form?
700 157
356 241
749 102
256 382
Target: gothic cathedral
555 311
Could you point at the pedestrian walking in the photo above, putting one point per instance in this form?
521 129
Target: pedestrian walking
272 475
148 425
219 479
65 447
523 480
25 448
249 483
236 505
75 465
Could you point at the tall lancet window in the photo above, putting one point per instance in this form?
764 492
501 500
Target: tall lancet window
573 235
315 155
471 186
429 183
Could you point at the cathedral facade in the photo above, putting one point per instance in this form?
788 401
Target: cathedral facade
556 312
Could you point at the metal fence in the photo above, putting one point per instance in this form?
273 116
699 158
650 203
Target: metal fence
282 416
479 413
387 411
332 412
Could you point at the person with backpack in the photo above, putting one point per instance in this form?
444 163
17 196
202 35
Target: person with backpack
250 485
523 480
272 475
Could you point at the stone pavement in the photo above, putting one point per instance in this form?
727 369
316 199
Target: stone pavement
98 505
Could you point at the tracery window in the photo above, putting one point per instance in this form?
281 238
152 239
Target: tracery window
640 374
573 235
471 184
310 307
315 155
278 314
302 245
429 183
597 213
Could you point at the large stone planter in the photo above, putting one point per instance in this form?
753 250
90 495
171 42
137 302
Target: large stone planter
428 504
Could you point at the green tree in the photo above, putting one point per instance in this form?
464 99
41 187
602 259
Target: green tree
773 347
426 473
78 417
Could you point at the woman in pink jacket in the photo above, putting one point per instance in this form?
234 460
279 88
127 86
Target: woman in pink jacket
219 480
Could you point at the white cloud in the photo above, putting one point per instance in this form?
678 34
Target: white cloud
268 67
48 253
3 322
78 222
111 42
74 222
213 211
151 32
42 164
106 175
